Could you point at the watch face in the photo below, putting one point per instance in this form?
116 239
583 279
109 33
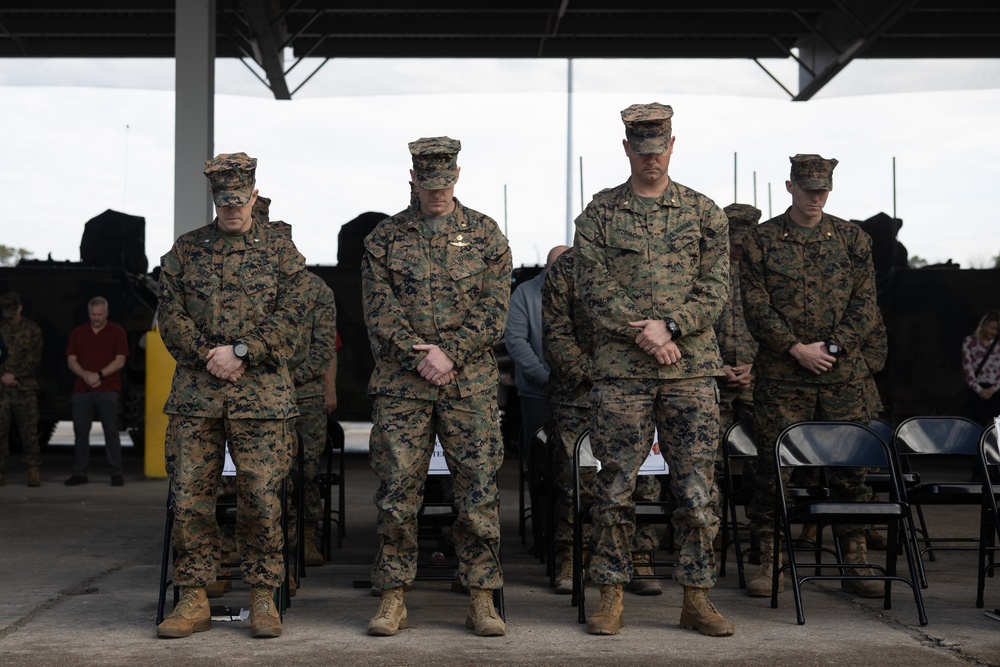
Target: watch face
240 350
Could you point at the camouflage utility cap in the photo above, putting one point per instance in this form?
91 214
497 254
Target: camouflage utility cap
647 127
232 177
812 172
435 162
742 217
10 300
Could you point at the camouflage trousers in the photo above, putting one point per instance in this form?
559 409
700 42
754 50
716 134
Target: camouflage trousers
195 453
21 406
568 424
311 428
401 444
778 405
685 413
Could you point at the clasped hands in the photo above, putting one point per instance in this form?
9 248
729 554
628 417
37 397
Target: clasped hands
656 341
223 363
437 367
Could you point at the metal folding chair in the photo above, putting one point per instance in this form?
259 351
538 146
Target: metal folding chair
842 445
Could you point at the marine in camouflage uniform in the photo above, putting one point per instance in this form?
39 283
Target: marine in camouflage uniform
232 297
312 358
808 284
18 386
654 269
736 345
436 286
568 346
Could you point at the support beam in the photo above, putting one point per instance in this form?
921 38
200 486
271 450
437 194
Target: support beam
194 115
266 45
840 37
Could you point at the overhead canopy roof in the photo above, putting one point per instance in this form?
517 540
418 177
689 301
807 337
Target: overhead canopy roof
823 35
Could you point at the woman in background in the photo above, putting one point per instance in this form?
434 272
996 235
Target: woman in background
981 365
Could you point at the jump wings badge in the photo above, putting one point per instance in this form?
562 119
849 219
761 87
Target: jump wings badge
458 242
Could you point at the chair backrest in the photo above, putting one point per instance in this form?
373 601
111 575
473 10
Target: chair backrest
989 452
882 428
739 441
839 444
334 435
947 436
540 437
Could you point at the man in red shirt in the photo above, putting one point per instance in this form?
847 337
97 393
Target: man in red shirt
96 353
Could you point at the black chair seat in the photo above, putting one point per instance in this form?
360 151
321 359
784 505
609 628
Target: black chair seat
946 493
846 512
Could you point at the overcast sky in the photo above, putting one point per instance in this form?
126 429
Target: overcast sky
80 137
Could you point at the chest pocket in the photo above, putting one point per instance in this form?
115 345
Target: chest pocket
409 264
197 280
257 281
465 265
683 247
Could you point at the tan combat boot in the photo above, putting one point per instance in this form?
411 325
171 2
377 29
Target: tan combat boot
483 616
391 616
855 553
313 557
698 613
760 585
220 586
564 580
808 534
34 479
643 586
610 615
192 614
264 619
876 540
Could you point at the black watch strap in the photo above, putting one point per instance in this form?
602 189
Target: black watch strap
675 331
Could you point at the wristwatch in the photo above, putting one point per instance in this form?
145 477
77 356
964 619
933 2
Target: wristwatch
241 350
834 349
100 374
675 331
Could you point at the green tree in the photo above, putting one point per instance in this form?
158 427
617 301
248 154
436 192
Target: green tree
11 256
917 262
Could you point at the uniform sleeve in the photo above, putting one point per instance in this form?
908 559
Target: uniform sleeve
274 339
182 338
859 317
565 357
875 349
710 290
766 325
484 326
385 317
322 338
609 305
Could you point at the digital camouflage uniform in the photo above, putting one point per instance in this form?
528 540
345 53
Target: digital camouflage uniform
213 293
449 287
20 404
736 344
637 261
801 287
317 346
568 346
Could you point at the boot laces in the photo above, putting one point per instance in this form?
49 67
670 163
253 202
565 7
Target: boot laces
483 606
607 602
188 598
262 597
387 607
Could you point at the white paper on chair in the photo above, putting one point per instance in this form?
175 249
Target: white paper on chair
229 467
439 465
654 464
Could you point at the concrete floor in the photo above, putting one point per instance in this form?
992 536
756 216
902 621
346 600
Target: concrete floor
79 568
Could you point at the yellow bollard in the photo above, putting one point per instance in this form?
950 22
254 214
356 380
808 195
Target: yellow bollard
159 374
